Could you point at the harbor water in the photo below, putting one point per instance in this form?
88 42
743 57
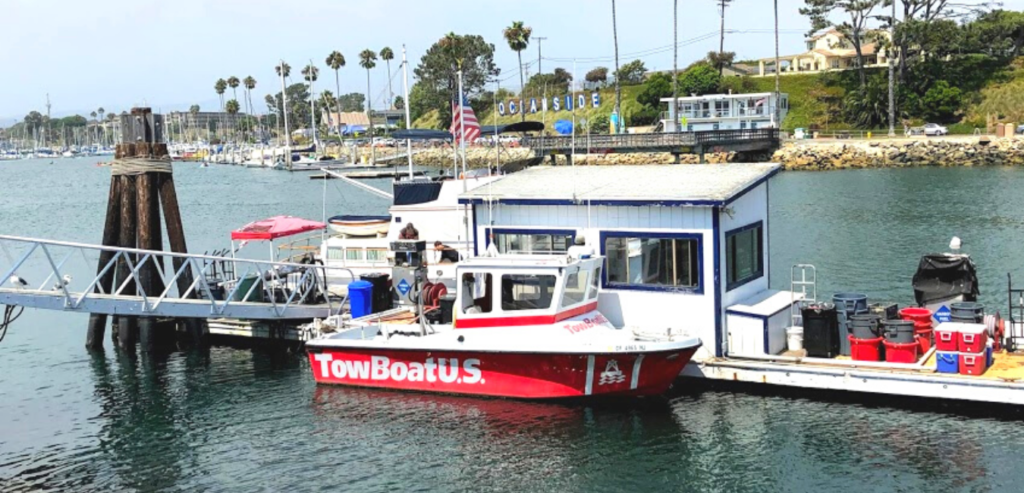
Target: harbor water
252 420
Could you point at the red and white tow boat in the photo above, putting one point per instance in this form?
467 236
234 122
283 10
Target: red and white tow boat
524 327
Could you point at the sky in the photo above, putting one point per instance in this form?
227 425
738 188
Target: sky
165 54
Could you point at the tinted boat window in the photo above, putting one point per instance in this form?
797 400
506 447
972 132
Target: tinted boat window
526 291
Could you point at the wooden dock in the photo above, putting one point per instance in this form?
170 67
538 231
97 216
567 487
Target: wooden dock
367 175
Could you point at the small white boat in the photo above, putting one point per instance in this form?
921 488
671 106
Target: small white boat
360 225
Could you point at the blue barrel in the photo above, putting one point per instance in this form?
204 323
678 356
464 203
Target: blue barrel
360 298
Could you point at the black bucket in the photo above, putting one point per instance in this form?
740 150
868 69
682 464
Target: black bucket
898 331
447 303
967 311
381 291
865 326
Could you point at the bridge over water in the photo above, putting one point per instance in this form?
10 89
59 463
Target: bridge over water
746 140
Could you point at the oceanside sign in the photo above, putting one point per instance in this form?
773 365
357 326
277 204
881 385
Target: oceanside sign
557 103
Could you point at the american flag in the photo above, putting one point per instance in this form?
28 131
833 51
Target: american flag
469 123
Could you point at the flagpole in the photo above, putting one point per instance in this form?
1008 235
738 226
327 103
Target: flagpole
462 138
408 119
462 132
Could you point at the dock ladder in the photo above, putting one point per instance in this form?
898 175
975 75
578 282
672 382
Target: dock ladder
803 279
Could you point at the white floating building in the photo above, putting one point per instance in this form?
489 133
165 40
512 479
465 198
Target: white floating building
724 112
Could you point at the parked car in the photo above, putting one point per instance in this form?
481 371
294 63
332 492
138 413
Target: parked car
935 129
1020 128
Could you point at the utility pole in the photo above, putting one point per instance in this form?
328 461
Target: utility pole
539 67
892 86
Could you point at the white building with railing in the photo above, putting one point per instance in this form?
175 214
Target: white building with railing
724 112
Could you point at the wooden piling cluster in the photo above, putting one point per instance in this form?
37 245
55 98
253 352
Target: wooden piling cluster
140 183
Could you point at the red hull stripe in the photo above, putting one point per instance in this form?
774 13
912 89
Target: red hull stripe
480 323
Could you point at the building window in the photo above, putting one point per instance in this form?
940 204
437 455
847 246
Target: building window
353 254
525 241
744 261
526 292
721 108
335 254
743 125
652 261
376 255
689 127
714 126
753 125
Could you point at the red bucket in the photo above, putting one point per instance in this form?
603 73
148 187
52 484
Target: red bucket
865 349
896 352
924 338
922 317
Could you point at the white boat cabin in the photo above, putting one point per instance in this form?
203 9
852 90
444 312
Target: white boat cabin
682 245
525 290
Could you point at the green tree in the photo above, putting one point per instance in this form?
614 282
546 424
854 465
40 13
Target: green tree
296 112
353 101
941 102
720 59
854 28
387 55
518 38
597 76
437 84
399 103
556 82
631 73
699 79
657 86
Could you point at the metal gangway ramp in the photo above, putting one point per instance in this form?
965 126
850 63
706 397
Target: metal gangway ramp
59 275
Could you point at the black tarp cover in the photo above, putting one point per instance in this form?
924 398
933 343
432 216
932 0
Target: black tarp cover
941 276
416 192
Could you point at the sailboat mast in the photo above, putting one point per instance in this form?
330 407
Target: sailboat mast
408 118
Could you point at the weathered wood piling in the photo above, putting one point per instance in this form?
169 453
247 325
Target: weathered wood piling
140 183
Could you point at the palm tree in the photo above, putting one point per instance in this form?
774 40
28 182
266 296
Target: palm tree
93 115
311 73
336 60
233 83
232 108
194 111
618 87
283 71
518 37
387 55
101 111
368 59
250 84
220 86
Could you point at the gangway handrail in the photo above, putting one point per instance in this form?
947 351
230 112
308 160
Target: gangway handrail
286 296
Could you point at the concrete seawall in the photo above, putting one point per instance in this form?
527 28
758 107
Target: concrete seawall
896 153
811 155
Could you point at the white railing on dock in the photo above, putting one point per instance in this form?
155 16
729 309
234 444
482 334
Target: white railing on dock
192 286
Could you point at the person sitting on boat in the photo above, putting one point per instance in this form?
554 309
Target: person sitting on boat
409 232
448 254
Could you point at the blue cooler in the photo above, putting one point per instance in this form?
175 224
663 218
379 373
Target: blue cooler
360 298
947 362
